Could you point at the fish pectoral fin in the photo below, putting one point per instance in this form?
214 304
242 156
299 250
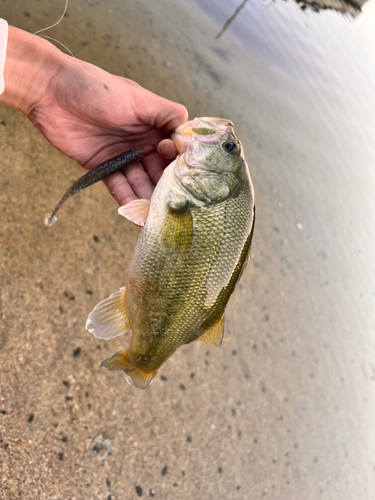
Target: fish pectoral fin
109 318
136 211
134 375
215 334
177 230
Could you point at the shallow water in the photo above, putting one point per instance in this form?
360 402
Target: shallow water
285 408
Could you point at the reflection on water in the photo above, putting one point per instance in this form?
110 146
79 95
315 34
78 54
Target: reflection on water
285 409
231 19
350 7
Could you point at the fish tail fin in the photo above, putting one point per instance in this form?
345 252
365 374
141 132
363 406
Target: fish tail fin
134 375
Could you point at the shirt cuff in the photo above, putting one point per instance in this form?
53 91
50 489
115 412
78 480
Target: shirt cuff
3 51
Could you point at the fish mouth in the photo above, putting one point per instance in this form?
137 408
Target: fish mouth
202 129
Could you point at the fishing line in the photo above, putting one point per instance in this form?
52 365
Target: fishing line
58 22
79 62
57 41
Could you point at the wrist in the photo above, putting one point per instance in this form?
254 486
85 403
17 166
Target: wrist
30 64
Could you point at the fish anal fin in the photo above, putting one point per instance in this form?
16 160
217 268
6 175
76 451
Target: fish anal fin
134 375
136 211
215 334
177 231
109 318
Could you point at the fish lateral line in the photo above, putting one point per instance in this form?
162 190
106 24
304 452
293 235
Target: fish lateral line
97 174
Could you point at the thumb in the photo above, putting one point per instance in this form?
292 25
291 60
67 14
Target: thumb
165 114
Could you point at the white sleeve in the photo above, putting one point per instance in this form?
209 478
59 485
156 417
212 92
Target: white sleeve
3 50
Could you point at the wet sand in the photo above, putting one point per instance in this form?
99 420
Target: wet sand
285 408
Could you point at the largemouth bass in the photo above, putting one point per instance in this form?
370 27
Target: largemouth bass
190 254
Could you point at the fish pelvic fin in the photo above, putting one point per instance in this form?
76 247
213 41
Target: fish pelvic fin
109 318
134 375
136 211
215 334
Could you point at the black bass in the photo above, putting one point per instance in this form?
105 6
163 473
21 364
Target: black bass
193 247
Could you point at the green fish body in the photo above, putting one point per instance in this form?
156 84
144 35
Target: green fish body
190 254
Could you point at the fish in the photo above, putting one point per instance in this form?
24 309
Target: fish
193 247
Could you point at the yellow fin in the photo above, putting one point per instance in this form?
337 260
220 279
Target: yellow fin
136 211
215 334
177 231
109 318
134 376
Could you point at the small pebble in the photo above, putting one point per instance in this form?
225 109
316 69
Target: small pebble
77 352
138 490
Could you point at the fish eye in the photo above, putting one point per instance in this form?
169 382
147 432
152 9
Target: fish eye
230 147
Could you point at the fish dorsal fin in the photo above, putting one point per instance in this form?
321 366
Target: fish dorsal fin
136 211
215 334
134 375
109 318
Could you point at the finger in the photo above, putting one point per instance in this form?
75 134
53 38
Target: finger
119 188
167 149
165 114
154 166
176 116
139 181
171 116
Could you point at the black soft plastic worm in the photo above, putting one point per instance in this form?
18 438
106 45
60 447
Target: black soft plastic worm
95 175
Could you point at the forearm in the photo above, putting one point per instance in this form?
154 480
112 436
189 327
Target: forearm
30 64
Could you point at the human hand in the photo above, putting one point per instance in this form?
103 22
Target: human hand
91 116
